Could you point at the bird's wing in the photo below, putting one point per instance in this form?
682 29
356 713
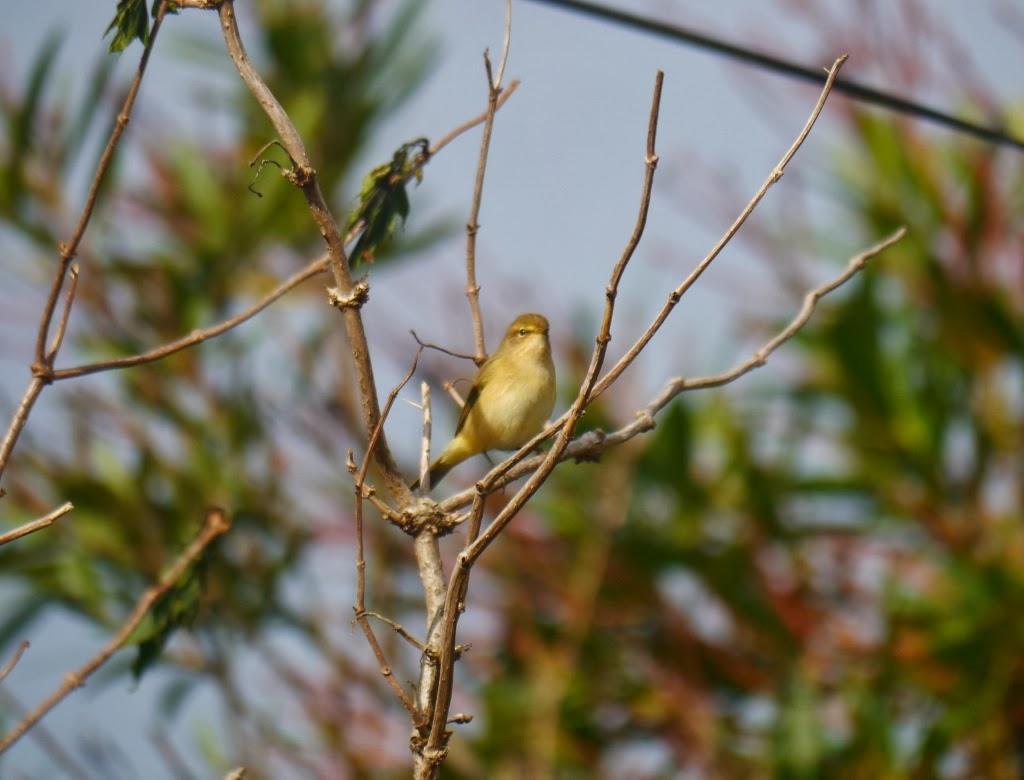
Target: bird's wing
474 395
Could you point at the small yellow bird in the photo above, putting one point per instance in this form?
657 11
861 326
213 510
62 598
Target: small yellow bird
512 397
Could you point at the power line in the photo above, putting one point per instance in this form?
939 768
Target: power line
787 68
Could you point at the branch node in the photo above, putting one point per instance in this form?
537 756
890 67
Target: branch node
73 680
43 371
646 420
301 175
359 295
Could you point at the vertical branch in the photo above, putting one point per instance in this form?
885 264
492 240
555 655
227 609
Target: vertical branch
216 524
431 571
346 296
494 97
425 444
505 43
359 608
473 225
28 400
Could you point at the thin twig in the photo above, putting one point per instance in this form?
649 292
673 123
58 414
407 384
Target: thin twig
425 443
62 325
428 345
456 592
506 41
449 387
42 366
675 296
593 443
314 268
399 629
216 524
469 124
304 176
28 400
494 476
13 661
36 525
473 225
359 608
69 248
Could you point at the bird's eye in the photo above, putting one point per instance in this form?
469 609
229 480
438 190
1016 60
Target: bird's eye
522 331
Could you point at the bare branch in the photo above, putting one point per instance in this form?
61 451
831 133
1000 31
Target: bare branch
28 400
359 608
62 325
425 444
216 524
449 387
314 268
675 296
506 41
42 365
446 139
473 225
399 629
36 525
13 661
69 248
493 477
428 345
304 177
594 443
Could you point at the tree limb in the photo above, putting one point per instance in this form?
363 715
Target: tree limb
36 525
216 524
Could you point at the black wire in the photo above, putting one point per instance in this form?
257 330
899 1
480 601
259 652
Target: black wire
787 68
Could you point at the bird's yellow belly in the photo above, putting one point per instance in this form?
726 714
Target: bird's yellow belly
506 417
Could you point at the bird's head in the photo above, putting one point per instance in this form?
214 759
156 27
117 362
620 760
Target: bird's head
528 334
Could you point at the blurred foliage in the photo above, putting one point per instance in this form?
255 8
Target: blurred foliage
823 580
142 453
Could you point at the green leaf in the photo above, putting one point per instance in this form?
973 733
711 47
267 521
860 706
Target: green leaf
131 21
383 200
178 607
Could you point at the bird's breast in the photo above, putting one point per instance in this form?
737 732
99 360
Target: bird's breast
510 413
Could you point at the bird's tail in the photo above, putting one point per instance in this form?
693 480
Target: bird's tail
449 459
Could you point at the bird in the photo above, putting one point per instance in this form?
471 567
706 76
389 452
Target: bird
512 397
